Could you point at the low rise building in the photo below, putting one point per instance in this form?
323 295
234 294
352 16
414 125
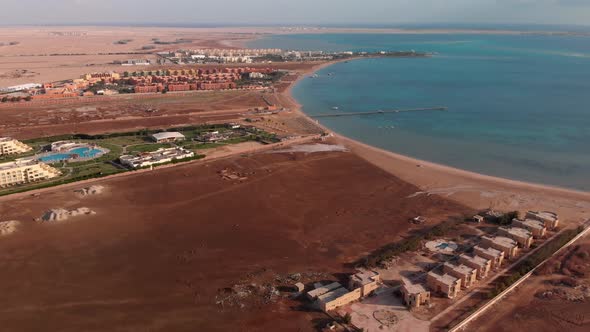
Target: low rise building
480 264
367 281
10 146
322 289
506 245
161 156
550 219
63 146
167 137
415 295
520 235
495 255
443 284
338 297
22 172
536 227
466 274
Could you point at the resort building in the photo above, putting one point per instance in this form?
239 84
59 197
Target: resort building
21 172
415 295
506 245
166 137
466 274
10 146
536 227
63 146
161 156
520 235
550 219
367 281
482 265
443 284
495 255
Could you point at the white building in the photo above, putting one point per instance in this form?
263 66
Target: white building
165 137
11 146
21 172
21 87
161 156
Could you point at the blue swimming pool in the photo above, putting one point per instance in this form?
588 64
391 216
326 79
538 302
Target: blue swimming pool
81 152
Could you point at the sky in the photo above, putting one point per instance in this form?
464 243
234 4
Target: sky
293 12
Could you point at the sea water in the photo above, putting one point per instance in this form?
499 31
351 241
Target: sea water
518 105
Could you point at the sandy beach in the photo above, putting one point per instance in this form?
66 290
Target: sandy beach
475 190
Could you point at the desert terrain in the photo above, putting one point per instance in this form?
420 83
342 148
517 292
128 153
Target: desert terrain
164 245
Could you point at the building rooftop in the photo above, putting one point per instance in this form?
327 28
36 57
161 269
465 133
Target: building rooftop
6 139
167 135
445 278
502 241
490 251
536 224
460 268
413 288
517 231
332 295
476 260
364 277
18 163
544 215
324 289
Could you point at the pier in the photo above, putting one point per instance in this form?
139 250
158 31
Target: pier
330 115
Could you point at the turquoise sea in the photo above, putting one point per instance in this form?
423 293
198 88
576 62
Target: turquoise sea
519 105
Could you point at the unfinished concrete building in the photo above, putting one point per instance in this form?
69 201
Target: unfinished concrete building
550 219
466 274
482 265
495 255
520 235
322 289
367 281
415 295
506 245
536 227
443 284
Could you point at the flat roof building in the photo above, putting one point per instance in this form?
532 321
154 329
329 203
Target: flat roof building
415 295
313 294
536 227
10 146
165 137
444 284
506 245
520 235
466 274
367 281
22 172
482 265
337 298
161 156
495 255
549 218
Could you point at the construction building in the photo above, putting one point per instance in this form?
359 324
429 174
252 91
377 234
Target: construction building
536 227
466 274
495 255
506 245
443 284
520 235
10 146
367 281
22 172
482 265
415 295
166 137
550 219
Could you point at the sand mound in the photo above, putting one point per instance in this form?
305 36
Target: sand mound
312 148
63 214
8 227
92 190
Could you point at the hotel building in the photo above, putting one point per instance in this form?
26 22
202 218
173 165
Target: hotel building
10 146
21 172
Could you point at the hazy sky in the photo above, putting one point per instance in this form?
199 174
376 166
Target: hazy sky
267 12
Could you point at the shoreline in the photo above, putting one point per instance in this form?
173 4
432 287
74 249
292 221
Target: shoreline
455 183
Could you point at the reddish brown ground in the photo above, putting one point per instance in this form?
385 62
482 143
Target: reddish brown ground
163 244
527 310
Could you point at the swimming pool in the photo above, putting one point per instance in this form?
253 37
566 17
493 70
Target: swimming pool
80 152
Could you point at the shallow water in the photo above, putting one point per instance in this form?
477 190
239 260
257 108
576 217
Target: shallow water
519 106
